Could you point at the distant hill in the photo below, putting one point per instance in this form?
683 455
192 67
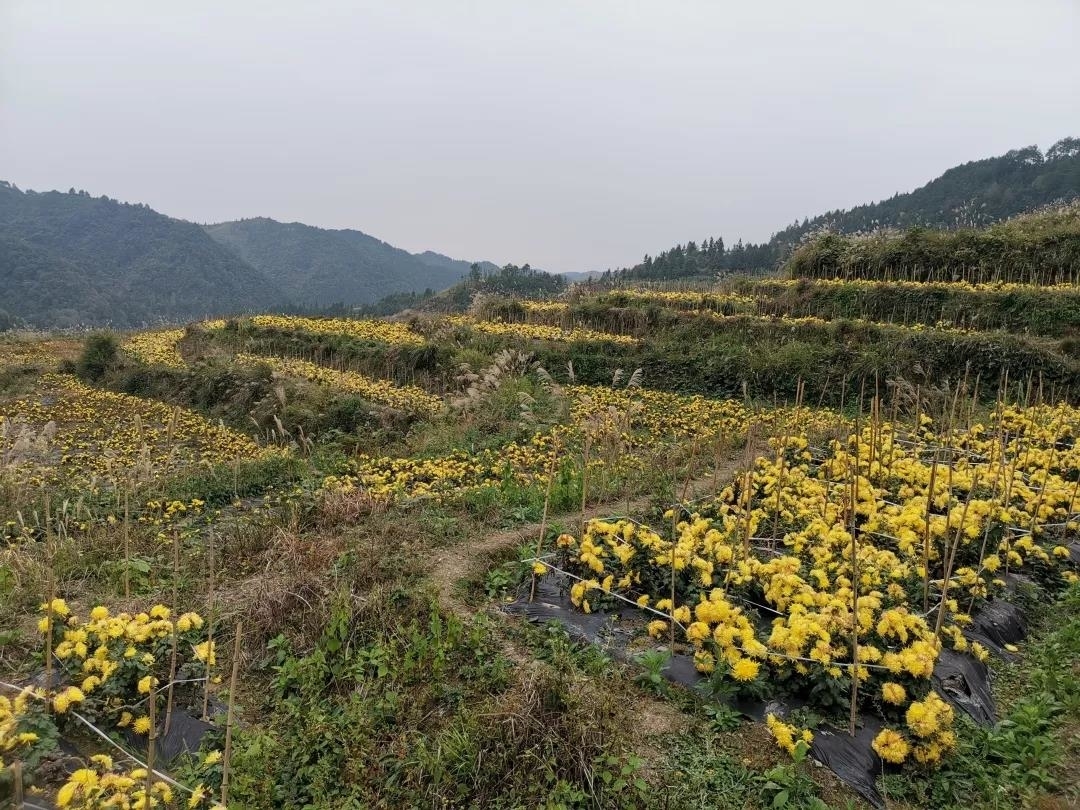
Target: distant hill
320 267
974 194
72 259
509 281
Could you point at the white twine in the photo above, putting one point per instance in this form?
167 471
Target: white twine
164 777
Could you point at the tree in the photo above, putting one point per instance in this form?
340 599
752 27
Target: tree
1065 148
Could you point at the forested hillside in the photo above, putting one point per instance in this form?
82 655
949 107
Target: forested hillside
974 194
525 283
72 259
320 267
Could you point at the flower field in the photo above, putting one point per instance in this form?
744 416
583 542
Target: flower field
1041 310
84 439
627 432
309 543
848 569
530 331
375 331
408 398
36 353
157 348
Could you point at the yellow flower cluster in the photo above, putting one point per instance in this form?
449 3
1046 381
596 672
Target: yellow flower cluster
15 737
929 722
397 334
544 307
687 299
110 658
157 348
866 606
787 736
100 437
105 785
532 331
407 398
891 746
903 284
762 291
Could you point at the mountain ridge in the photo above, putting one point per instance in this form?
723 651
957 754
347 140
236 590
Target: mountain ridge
113 263
976 193
326 266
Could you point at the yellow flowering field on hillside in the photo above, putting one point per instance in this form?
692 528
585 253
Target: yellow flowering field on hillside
45 353
867 557
68 434
157 348
397 334
407 398
535 331
626 431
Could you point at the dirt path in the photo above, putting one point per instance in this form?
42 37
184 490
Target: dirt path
469 559
654 717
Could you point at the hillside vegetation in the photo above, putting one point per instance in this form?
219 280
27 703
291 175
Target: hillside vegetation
971 195
72 260
316 267
666 547
1039 248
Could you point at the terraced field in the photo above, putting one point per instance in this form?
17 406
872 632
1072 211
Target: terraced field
666 547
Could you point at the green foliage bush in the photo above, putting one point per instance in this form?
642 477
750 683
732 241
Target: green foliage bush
1037 248
98 355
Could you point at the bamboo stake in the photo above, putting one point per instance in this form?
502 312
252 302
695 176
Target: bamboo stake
151 741
584 476
17 778
209 627
175 638
50 596
229 716
926 534
747 484
854 592
544 516
127 541
950 557
674 543
690 469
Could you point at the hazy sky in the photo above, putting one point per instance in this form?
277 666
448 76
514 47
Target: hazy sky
572 135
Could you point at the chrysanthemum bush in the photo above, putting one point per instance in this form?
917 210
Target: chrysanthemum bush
111 663
105 784
859 561
105 670
26 732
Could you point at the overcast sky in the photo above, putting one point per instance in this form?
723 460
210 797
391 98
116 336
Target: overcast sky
566 134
